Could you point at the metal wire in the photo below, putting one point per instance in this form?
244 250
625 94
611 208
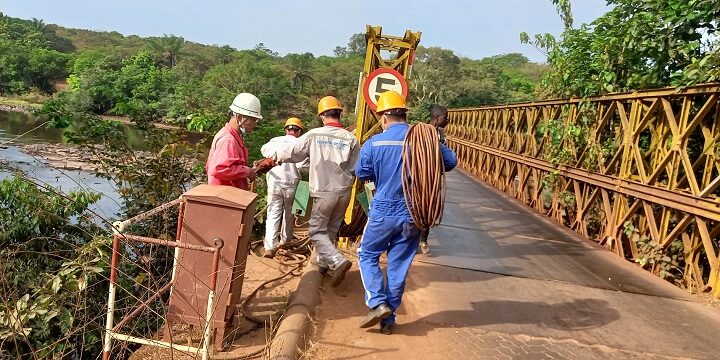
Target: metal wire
23 134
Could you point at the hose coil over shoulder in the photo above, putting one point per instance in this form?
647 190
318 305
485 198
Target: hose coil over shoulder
423 175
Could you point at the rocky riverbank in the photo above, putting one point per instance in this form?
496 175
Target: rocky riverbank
62 156
48 149
70 157
16 108
29 108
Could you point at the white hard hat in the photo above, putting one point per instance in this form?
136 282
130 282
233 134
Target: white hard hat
246 104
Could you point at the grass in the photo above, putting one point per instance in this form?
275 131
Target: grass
30 100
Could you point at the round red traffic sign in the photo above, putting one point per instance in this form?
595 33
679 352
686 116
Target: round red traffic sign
380 81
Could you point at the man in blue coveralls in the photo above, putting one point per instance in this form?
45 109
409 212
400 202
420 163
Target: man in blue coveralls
390 227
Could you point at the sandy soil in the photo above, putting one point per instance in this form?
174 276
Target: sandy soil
270 302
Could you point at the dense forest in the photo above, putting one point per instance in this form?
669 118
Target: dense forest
173 79
54 253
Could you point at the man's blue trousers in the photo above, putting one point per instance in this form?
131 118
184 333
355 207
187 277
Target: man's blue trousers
399 237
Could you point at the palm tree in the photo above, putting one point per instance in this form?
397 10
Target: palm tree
39 26
225 54
169 48
300 69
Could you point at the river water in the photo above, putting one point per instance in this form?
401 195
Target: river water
17 129
13 124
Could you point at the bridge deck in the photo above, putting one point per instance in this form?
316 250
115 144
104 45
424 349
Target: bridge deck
505 282
486 230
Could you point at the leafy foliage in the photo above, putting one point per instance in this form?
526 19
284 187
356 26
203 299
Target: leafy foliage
654 258
49 303
355 47
140 88
638 44
177 81
440 76
29 56
168 48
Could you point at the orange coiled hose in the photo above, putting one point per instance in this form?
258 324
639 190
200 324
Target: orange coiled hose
423 175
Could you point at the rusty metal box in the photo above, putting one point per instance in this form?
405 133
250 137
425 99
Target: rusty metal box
211 212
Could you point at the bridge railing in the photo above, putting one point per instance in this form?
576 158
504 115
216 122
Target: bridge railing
637 172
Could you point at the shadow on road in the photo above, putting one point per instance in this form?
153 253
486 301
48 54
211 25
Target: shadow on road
579 314
364 351
351 290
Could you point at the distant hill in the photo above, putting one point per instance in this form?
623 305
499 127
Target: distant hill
83 39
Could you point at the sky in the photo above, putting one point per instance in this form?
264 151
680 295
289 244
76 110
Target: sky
474 29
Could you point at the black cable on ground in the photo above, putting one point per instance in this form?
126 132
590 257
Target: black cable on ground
294 253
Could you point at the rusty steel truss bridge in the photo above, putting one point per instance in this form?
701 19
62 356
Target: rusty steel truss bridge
637 172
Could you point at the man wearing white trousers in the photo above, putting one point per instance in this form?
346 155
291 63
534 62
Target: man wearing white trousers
281 185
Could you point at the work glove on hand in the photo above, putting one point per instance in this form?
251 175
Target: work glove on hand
263 166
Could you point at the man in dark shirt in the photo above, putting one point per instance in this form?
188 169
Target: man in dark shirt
438 119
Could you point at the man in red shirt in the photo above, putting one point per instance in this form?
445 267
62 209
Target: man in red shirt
227 162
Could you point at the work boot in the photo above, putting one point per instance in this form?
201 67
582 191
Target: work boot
386 328
424 248
373 317
269 253
322 268
338 274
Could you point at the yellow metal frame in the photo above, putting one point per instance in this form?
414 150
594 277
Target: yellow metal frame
398 55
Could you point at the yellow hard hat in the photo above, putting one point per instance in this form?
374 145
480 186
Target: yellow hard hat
294 122
390 100
328 103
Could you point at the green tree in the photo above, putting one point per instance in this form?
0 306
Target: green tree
300 70
264 52
337 77
564 9
519 75
38 25
356 47
479 84
50 302
140 88
44 66
638 44
225 54
12 63
434 74
92 83
27 57
168 48
263 77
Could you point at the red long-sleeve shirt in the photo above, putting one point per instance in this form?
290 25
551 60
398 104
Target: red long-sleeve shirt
227 161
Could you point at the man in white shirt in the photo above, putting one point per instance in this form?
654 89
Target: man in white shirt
281 184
